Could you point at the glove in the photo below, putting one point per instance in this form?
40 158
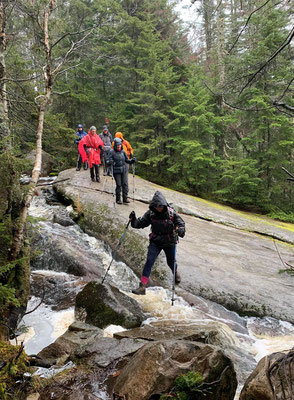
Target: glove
133 160
101 147
180 231
132 216
87 152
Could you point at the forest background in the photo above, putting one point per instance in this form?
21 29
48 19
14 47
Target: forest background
212 118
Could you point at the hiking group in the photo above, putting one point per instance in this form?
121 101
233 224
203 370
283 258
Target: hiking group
116 155
166 224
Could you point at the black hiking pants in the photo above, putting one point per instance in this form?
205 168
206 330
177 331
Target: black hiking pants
95 167
153 252
121 181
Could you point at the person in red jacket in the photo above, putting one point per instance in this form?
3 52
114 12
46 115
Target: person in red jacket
91 148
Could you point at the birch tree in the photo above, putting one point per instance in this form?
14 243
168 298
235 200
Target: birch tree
53 66
4 120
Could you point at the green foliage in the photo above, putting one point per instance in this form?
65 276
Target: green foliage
280 215
241 183
15 364
194 119
288 271
14 277
187 387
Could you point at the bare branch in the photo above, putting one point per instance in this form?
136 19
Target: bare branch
67 69
284 44
284 105
70 34
236 107
246 23
61 93
288 86
21 80
72 48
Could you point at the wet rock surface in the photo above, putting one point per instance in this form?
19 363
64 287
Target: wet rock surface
272 378
209 332
102 305
56 290
221 257
142 377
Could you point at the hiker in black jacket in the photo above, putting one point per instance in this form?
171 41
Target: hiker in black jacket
166 226
118 160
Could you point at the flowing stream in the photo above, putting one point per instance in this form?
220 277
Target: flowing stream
257 336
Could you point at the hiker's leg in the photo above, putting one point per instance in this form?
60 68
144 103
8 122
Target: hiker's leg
152 254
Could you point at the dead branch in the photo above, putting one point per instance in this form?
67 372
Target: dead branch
70 34
285 264
246 24
74 46
41 301
9 330
286 42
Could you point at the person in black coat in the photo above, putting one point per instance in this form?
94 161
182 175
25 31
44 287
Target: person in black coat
166 226
118 159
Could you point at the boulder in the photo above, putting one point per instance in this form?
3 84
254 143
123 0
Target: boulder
66 345
58 290
104 351
103 305
210 332
63 218
154 368
47 163
272 379
77 383
214 333
61 255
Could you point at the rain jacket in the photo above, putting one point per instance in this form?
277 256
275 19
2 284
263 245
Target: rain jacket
80 136
92 143
126 145
107 139
118 160
163 223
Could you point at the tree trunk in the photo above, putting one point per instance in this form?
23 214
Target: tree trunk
18 236
4 121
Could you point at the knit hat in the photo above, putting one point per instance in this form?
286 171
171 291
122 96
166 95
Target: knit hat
93 128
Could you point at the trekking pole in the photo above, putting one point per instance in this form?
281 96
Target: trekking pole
105 178
112 179
133 166
116 249
174 273
289 173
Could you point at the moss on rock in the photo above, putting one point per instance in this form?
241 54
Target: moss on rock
103 305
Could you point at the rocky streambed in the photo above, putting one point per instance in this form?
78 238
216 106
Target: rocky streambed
161 341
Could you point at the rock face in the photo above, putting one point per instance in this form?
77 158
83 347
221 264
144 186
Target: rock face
153 369
61 255
102 305
47 162
221 258
272 379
